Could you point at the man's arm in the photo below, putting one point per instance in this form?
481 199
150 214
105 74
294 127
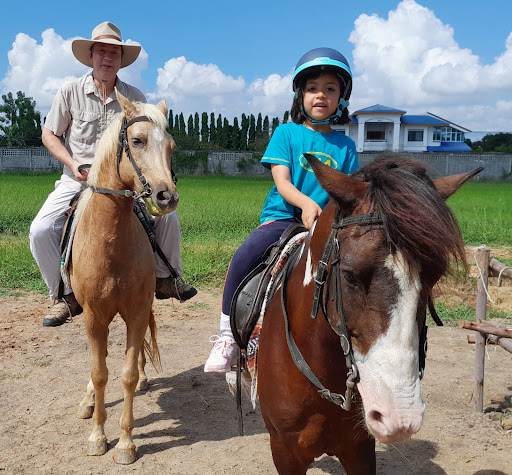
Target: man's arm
55 146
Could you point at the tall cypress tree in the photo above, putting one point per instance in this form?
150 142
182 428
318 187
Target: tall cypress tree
204 130
219 132
286 117
275 124
236 135
170 123
243 132
213 131
252 133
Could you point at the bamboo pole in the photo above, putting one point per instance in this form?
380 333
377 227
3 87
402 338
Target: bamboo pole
483 256
505 343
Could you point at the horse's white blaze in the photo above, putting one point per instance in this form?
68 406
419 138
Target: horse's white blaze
158 135
390 386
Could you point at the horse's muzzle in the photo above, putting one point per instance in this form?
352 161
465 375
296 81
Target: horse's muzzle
162 201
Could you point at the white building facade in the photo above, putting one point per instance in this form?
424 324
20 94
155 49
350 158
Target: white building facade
378 128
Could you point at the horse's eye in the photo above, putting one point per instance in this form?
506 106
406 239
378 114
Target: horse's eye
137 142
350 278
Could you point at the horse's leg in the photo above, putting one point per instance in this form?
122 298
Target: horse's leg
285 458
359 458
86 408
125 450
98 335
143 379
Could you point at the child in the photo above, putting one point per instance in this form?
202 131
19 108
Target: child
322 83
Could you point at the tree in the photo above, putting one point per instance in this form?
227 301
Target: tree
204 130
501 142
236 135
286 117
170 123
20 114
213 137
275 124
11 136
252 133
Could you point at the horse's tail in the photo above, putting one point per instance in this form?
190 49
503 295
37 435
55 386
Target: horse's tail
151 346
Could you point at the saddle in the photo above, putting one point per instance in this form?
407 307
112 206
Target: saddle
249 296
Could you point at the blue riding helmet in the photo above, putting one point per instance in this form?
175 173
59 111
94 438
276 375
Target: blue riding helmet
328 60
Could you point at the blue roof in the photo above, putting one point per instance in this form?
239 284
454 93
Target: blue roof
377 108
450 147
421 119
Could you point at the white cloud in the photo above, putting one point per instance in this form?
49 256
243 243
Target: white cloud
411 61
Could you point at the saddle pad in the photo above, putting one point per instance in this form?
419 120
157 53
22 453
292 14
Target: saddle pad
252 347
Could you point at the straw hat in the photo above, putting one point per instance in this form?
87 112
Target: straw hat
108 33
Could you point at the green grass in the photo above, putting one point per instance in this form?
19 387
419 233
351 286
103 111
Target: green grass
484 213
216 214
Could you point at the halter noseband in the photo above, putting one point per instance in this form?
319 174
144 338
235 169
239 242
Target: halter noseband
123 144
344 401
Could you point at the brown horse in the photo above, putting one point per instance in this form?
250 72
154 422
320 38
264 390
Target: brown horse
113 266
366 268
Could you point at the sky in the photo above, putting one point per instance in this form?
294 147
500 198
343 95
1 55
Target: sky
451 58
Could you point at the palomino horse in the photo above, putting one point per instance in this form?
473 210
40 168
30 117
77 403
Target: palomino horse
113 266
350 311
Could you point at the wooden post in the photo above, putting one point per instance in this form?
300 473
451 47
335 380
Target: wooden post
482 259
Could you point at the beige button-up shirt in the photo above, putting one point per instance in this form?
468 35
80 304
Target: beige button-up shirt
78 111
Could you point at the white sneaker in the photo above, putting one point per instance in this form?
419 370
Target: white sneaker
223 355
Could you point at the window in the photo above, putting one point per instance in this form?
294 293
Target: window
415 136
448 134
375 135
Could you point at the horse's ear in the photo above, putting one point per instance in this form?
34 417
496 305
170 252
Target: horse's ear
340 187
128 108
162 105
448 185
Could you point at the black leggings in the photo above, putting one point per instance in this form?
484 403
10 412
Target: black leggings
249 255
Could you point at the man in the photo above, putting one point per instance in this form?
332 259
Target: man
81 111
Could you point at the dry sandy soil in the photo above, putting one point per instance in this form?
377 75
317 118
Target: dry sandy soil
186 422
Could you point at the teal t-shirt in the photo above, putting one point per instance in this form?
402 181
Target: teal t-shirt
287 147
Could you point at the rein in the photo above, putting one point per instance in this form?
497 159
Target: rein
123 144
332 244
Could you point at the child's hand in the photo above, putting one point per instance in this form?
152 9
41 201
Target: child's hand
310 212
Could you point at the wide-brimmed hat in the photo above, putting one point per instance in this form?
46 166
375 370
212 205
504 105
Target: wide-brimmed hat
108 33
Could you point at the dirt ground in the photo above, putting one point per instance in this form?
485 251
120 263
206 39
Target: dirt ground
186 422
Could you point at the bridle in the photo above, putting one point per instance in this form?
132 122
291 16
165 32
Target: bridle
123 144
330 253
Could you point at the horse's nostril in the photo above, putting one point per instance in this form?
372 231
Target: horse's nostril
163 196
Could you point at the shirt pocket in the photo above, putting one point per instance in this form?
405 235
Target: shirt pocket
85 126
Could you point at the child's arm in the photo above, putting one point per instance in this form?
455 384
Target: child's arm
310 209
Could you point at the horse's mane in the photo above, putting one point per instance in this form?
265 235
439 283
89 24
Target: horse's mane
417 221
107 145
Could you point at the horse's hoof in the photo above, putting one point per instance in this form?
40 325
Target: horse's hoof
143 385
125 456
97 447
85 412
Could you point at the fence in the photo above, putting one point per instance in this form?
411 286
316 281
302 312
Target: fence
482 328
496 166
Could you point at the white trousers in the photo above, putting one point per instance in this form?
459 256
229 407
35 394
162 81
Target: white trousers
46 232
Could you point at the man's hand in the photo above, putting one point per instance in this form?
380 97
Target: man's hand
80 175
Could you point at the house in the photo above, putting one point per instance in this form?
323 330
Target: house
379 128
